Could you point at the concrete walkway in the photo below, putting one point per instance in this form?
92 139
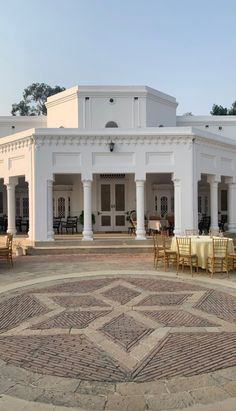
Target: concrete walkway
92 332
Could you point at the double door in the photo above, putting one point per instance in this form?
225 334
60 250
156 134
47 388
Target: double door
112 213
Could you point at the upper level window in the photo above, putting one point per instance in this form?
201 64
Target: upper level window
111 124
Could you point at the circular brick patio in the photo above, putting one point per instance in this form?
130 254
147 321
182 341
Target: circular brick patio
113 329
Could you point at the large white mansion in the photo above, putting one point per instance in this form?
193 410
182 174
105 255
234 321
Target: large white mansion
108 150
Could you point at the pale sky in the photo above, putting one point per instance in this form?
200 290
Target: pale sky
183 48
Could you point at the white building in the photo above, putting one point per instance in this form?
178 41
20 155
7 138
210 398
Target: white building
161 164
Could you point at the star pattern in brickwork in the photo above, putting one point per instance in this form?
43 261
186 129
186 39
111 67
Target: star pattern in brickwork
119 329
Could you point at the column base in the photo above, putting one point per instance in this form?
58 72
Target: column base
177 231
50 236
87 236
140 235
11 231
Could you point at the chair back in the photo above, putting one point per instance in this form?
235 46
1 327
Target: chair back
183 245
220 247
133 218
191 231
9 241
160 243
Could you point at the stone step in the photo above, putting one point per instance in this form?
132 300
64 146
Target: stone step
89 249
98 246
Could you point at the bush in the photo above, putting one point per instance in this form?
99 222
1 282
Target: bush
81 218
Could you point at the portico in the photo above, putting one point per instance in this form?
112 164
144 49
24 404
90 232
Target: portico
159 165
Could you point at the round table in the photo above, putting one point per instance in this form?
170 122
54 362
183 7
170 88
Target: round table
202 246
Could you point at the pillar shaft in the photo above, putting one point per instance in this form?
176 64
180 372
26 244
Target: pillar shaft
231 207
50 232
140 229
177 206
87 231
214 203
11 208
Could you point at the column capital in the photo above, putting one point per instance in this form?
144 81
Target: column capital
213 179
50 183
230 181
140 182
87 182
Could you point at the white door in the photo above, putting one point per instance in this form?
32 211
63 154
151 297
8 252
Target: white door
112 216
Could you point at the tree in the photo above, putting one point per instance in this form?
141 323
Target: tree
232 110
219 110
34 98
224 111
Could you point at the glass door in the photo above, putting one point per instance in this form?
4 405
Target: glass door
112 206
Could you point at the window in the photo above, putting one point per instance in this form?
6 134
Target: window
61 207
164 206
25 207
1 202
199 204
224 205
111 124
17 207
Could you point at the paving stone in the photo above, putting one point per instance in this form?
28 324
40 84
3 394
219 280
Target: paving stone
230 387
209 395
58 383
88 402
19 375
117 402
186 384
24 392
12 404
153 388
169 402
95 388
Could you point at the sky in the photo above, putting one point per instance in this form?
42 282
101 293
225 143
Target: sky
182 48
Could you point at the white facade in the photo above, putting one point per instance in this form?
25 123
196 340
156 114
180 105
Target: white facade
161 164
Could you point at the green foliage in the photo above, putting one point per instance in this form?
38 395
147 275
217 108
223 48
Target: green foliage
81 218
232 110
219 110
34 98
224 111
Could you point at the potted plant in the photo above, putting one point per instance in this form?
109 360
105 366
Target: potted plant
81 218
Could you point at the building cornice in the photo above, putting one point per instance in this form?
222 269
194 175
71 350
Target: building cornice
163 136
203 120
113 91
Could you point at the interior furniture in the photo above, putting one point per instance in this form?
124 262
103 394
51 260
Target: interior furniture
185 255
57 224
6 251
162 253
202 246
218 260
70 224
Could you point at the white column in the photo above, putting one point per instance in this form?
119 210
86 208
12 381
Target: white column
140 229
50 232
177 206
87 231
214 201
11 208
232 207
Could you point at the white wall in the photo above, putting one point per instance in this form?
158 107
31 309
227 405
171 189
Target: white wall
224 126
15 124
160 113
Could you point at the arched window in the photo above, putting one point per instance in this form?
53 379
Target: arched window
164 206
61 207
111 124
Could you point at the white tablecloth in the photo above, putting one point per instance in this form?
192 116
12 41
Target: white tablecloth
157 224
202 246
